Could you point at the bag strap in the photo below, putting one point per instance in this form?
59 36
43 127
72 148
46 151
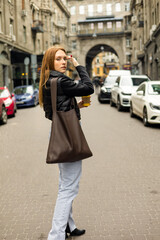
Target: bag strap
54 94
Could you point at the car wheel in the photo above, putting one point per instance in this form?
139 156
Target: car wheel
4 116
131 111
119 106
145 117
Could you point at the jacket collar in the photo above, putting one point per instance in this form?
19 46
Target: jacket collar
56 74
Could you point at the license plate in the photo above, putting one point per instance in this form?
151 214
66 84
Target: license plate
19 102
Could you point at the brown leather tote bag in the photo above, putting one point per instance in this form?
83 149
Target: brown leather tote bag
67 141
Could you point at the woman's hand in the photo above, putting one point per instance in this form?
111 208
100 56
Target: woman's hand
73 60
80 104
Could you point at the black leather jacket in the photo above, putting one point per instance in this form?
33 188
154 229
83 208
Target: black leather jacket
66 90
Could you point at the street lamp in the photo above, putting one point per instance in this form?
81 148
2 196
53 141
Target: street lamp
102 48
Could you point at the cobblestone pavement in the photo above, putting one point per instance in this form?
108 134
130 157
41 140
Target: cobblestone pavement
119 197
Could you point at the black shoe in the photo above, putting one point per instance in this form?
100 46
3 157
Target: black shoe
66 236
77 232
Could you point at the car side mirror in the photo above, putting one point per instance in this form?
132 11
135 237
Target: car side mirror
140 93
12 95
116 84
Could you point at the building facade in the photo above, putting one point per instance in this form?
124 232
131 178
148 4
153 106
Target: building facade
146 37
27 29
100 24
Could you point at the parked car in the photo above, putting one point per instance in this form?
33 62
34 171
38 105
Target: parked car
123 88
105 91
3 112
26 95
145 102
9 101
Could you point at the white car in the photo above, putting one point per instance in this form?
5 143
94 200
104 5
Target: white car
123 89
105 91
145 102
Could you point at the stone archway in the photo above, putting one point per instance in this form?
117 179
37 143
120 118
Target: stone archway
93 52
89 48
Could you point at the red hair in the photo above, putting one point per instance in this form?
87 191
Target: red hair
47 65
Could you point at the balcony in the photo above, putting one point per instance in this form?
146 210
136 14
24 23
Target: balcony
140 54
100 27
99 32
37 26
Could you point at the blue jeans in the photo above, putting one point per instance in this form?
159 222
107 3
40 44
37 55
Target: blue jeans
69 178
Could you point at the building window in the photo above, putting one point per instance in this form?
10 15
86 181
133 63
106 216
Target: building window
46 45
100 25
11 27
118 7
99 8
128 42
45 22
109 8
1 30
90 10
74 45
118 24
39 45
24 34
127 7
37 15
98 71
140 44
81 10
157 12
23 4
109 24
97 59
73 10
73 28
92 26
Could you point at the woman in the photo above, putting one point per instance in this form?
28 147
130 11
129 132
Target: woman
54 64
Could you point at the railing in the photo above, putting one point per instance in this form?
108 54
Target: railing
95 32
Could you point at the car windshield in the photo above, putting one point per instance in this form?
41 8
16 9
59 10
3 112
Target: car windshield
154 89
23 90
110 80
133 81
4 93
126 81
137 81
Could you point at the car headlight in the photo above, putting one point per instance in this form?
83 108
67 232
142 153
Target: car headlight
29 97
103 89
127 94
8 102
154 107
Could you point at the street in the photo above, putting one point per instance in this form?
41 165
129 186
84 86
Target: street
119 196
